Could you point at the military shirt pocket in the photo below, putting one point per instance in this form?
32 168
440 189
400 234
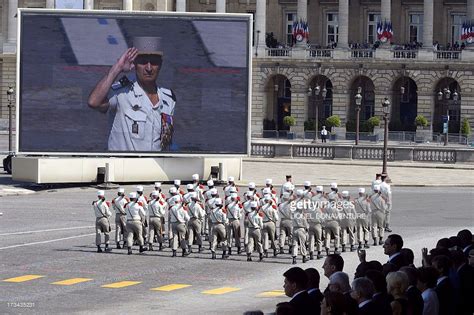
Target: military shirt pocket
136 123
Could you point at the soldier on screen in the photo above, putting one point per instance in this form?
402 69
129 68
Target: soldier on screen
143 111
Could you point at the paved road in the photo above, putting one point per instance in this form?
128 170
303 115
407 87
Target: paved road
50 234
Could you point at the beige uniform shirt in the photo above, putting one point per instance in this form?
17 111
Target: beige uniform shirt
119 204
270 213
135 211
156 208
255 220
101 209
218 216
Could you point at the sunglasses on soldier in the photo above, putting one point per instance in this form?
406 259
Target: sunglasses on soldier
154 60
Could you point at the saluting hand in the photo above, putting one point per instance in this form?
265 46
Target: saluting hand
125 62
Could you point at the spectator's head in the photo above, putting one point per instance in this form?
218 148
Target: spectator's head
465 237
285 308
458 258
362 290
375 265
313 278
454 242
361 269
426 278
408 255
441 263
332 264
388 268
397 283
254 313
412 275
295 281
378 279
443 243
393 244
334 303
339 282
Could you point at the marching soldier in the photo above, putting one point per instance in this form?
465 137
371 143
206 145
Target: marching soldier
207 195
286 223
118 204
144 201
102 223
268 184
331 223
334 192
377 181
156 209
378 206
387 193
315 222
348 221
255 231
362 207
213 195
163 199
234 213
196 216
287 186
135 218
232 191
178 218
198 188
230 184
219 221
253 191
177 184
307 192
300 226
174 198
270 218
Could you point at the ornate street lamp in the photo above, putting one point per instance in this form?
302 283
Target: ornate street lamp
440 95
358 100
10 98
447 93
386 112
317 91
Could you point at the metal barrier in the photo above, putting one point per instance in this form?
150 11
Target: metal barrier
428 155
324 152
371 154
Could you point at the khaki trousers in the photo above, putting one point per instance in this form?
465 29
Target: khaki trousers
378 223
194 230
362 227
134 230
102 225
154 226
315 234
179 235
120 227
269 235
348 229
255 238
218 236
299 239
286 227
246 231
233 232
334 228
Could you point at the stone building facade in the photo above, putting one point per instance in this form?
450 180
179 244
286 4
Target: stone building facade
307 78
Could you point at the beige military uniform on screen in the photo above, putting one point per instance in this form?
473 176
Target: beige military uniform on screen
102 224
156 211
234 214
362 207
135 218
255 232
300 226
286 223
178 218
378 206
270 218
120 218
218 221
196 216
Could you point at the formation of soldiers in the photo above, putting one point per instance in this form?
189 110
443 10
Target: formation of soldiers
305 220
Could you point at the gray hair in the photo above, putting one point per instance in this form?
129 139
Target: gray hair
364 287
341 279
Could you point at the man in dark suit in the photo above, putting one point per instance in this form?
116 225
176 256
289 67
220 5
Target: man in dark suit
465 278
380 298
332 264
392 246
314 293
465 237
443 288
415 301
362 292
295 287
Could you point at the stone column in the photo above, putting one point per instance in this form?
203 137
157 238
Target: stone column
343 17
260 27
386 16
12 21
180 5
428 9
220 6
49 4
88 4
128 5
299 101
470 10
302 15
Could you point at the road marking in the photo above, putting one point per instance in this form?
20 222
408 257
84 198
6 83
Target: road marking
223 290
49 230
71 281
45 242
23 278
171 287
273 293
121 284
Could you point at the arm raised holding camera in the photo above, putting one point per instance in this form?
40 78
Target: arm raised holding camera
98 97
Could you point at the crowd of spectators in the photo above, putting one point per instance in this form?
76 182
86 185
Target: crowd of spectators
442 285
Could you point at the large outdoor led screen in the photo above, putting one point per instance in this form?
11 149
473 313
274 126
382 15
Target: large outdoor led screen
114 83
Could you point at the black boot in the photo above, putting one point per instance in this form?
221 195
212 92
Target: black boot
190 249
118 245
336 251
200 248
360 246
290 249
174 253
230 251
150 247
294 260
266 254
129 251
141 249
327 251
375 241
311 256
380 241
238 251
304 259
281 250
99 250
343 248
107 248
388 229
352 248
161 247
261 257
275 252
224 254
366 245
184 253
213 255
319 256
249 257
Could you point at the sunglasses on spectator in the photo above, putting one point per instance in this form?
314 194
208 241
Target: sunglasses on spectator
145 59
